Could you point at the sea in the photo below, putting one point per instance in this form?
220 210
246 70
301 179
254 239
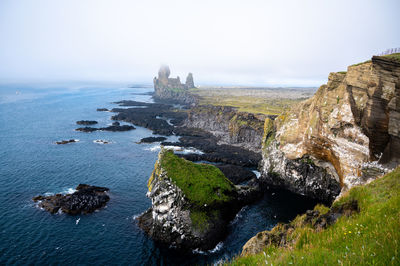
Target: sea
32 118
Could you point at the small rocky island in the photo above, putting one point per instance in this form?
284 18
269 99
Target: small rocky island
114 128
66 141
85 199
191 203
86 122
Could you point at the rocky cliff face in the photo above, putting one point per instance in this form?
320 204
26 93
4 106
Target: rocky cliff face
191 203
230 126
346 134
171 89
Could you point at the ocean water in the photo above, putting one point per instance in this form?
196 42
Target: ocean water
32 118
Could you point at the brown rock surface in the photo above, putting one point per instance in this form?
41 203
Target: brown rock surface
351 122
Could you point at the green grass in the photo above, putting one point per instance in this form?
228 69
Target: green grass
201 183
371 237
394 56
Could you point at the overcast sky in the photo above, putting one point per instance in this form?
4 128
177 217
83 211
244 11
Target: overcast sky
269 43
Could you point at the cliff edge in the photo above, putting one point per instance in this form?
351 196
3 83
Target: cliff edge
347 134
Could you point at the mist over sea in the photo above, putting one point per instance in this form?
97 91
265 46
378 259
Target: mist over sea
32 118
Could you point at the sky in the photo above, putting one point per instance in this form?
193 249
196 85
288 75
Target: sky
226 42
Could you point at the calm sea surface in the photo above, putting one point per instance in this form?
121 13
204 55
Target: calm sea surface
32 118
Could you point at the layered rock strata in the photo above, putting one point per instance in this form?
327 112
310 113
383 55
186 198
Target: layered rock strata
345 135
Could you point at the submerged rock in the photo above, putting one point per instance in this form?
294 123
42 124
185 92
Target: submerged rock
86 199
102 110
192 204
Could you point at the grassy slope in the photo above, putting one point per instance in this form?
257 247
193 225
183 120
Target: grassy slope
201 183
371 237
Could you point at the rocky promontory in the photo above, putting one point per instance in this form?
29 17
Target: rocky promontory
171 89
85 199
191 203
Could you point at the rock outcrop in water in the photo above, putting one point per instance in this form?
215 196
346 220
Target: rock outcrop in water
113 128
86 122
341 136
191 203
171 89
86 199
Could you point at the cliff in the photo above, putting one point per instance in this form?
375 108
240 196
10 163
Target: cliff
228 125
171 89
191 203
347 134
361 228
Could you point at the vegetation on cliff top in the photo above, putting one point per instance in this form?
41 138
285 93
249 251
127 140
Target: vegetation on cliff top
370 237
269 101
201 183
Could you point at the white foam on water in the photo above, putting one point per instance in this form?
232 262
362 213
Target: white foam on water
257 173
217 248
102 141
176 149
77 221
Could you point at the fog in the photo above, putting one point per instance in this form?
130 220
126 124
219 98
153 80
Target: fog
256 43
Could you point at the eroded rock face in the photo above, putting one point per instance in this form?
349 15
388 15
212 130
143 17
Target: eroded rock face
228 125
86 199
171 89
178 221
348 124
169 220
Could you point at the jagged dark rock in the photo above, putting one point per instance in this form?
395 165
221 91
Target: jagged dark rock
236 174
229 125
152 139
102 110
109 128
86 199
86 122
66 141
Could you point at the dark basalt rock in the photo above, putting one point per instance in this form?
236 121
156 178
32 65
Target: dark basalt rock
86 122
86 199
236 174
66 141
116 123
102 110
109 128
152 139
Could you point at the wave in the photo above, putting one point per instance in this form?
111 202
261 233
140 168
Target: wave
176 149
217 248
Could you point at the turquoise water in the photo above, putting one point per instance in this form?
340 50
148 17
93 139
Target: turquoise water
32 118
